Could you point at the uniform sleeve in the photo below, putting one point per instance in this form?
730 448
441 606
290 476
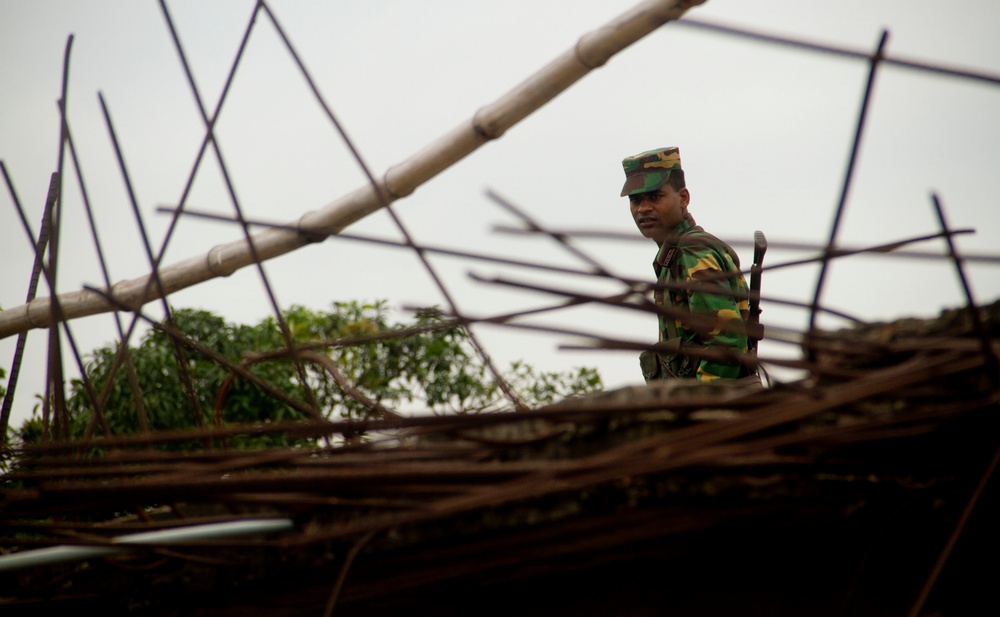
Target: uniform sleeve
703 266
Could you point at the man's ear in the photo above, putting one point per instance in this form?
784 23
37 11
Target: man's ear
685 196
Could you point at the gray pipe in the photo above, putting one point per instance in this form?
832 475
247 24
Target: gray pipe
64 554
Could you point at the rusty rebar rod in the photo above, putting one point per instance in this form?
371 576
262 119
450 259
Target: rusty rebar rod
977 322
928 67
180 356
130 372
848 175
231 190
887 250
36 271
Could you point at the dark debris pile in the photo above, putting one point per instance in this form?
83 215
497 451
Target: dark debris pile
895 430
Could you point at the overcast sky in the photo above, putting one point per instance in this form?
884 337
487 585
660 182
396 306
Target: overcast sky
764 131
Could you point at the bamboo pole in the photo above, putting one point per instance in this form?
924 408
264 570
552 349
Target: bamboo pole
591 51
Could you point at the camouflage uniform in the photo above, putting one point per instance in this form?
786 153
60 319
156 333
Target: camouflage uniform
698 257
695 259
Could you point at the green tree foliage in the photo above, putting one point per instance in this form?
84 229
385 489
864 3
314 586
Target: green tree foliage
432 369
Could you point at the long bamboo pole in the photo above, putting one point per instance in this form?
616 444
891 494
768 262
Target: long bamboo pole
591 51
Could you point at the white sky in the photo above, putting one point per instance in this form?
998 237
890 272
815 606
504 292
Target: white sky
764 131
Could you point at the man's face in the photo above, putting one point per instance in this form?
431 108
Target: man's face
656 213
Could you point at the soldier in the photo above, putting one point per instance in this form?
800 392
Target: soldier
700 274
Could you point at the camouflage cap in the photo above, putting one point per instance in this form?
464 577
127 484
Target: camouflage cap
650 170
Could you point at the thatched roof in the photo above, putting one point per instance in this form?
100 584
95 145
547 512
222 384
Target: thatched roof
835 495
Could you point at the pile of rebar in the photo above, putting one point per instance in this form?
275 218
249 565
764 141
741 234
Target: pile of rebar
893 412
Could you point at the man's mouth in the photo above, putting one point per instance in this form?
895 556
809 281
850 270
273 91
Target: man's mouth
645 220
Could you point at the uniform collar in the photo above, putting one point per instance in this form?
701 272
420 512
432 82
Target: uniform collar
669 247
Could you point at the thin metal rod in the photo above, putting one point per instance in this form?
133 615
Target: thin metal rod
53 375
147 283
942 559
619 299
700 322
55 387
177 335
133 378
227 179
938 69
877 250
55 190
438 250
977 322
984 258
385 202
88 386
41 268
534 226
36 270
344 569
838 216
180 356
326 363
633 283
209 135
505 261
